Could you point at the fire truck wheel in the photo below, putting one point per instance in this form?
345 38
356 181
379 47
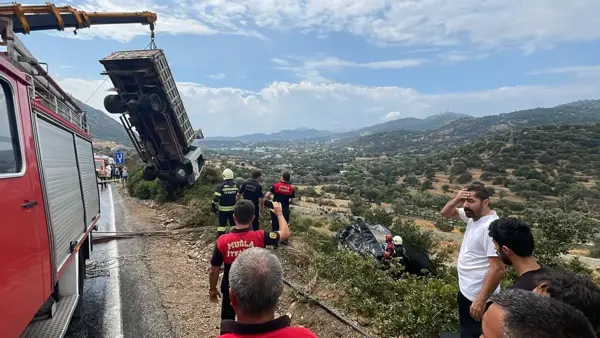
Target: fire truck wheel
114 105
149 174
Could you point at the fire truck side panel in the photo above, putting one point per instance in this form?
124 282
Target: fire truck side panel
87 175
23 239
60 177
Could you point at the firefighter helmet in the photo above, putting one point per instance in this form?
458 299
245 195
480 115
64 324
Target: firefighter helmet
227 174
388 238
397 240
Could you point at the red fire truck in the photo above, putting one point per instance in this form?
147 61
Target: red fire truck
49 198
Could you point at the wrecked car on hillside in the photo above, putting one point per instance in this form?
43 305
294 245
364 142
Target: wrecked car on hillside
368 240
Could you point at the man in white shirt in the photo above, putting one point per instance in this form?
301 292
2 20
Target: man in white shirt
480 270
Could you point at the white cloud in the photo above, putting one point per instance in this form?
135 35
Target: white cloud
309 68
577 71
335 63
282 105
529 24
394 115
218 76
456 56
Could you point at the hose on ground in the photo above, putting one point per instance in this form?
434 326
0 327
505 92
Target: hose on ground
326 308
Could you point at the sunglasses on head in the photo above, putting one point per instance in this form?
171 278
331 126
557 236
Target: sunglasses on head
487 305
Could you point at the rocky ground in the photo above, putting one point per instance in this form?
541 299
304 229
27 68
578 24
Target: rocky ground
179 266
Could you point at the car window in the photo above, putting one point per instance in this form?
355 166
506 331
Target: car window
9 141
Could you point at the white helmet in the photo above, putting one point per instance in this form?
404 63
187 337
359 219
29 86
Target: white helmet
397 240
227 174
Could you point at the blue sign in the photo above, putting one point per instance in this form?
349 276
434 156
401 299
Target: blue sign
119 157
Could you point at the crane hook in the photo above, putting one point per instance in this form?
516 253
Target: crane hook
152 44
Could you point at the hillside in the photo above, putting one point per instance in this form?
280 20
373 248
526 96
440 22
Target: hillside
457 132
547 161
104 127
413 124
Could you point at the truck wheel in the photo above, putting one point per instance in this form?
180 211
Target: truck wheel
156 103
114 105
149 174
180 174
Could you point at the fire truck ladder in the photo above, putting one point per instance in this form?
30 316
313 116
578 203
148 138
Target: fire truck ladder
16 18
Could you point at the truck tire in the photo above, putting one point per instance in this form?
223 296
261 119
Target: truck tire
180 174
155 103
149 174
114 105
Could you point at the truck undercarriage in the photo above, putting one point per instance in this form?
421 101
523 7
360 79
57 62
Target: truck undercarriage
153 115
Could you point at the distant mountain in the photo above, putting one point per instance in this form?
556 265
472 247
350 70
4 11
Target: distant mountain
103 126
293 134
414 124
410 123
458 132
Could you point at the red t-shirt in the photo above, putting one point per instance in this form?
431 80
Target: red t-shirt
230 245
276 328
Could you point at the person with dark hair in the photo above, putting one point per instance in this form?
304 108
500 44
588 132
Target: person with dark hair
255 285
252 190
517 313
282 192
576 290
231 244
514 244
479 268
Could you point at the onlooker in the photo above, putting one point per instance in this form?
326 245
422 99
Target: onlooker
517 313
576 290
479 268
230 245
283 192
255 285
124 176
252 190
514 244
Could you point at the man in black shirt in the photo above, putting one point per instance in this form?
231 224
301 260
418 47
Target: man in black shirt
514 244
252 190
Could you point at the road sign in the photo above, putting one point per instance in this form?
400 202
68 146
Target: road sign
119 157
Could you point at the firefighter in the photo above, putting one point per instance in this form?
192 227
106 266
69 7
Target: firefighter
224 201
230 245
389 248
283 192
252 190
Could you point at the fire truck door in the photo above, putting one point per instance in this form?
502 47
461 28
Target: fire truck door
21 280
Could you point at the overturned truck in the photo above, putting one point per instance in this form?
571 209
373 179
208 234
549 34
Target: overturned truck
369 241
153 115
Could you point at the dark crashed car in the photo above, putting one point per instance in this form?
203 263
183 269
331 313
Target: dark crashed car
369 241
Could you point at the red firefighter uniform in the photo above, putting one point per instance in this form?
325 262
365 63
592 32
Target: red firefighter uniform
228 248
283 193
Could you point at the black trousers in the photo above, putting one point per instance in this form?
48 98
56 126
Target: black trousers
469 327
226 216
256 221
227 311
275 221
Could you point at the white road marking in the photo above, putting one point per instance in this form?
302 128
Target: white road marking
113 322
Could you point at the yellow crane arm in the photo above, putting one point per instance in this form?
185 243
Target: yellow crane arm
46 17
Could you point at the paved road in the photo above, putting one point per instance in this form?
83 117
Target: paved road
119 301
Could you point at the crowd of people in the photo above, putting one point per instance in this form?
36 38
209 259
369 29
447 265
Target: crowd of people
542 302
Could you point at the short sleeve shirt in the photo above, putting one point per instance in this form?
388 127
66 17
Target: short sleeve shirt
476 249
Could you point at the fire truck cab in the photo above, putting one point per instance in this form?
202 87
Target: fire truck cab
49 199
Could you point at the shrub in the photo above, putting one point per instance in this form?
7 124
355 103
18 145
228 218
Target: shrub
444 225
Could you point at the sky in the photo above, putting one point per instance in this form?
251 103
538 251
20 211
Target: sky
247 66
